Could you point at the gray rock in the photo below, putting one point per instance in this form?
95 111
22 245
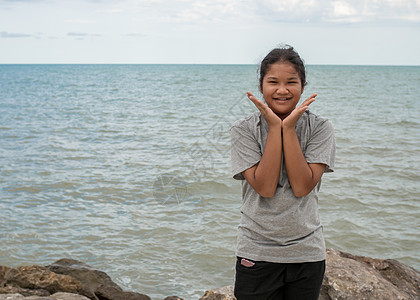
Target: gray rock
350 277
223 293
63 276
39 281
67 296
98 282
56 296
347 277
91 277
8 289
11 297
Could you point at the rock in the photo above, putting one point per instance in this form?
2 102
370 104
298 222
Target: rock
350 277
8 289
37 280
98 282
11 297
113 293
358 278
91 277
347 277
223 293
67 296
63 276
56 296
3 271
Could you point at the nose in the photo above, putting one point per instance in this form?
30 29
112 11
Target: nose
281 89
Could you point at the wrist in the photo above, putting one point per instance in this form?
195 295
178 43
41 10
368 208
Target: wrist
275 127
288 129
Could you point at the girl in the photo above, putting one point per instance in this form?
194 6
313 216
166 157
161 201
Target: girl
280 154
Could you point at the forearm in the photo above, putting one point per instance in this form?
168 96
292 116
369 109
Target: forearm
265 176
299 173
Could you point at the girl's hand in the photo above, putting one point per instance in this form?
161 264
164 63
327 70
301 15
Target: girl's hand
290 120
272 119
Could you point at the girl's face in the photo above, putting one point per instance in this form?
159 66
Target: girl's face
282 88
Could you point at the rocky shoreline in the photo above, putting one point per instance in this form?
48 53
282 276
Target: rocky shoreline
347 277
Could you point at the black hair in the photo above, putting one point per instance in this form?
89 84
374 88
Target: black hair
283 54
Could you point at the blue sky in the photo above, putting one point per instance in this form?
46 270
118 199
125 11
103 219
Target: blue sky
367 32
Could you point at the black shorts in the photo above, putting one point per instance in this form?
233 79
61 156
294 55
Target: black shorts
259 280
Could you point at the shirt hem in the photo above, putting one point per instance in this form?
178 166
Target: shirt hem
284 260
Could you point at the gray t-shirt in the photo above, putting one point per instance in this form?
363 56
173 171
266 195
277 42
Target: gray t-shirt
283 228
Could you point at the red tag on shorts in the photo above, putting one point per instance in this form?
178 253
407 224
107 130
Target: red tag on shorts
247 263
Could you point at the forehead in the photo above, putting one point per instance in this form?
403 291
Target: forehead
281 69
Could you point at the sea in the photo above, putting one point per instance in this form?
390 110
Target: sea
127 167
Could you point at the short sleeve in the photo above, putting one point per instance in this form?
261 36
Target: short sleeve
321 146
245 150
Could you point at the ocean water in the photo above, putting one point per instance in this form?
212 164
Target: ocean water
127 167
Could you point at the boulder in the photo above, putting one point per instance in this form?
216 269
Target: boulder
223 293
92 278
56 296
38 280
66 296
3 271
113 293
350 277
8 289
65 275
98 282
357 277
347 277
11 297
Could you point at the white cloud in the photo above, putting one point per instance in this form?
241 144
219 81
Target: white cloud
343 9
135 35
208 11
5 34
296 6
193 11
83 34
79 21
111 11
340 10
224 31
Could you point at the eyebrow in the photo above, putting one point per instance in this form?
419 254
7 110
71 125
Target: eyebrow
289 78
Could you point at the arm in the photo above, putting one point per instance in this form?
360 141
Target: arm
303 177
264 176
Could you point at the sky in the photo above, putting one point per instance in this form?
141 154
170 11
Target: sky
353 32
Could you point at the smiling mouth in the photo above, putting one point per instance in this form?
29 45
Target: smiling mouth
282 98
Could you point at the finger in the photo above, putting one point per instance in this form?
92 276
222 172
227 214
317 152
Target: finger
303 108
253 98
311 97
309 100
258 103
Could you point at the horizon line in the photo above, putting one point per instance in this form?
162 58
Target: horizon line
217 64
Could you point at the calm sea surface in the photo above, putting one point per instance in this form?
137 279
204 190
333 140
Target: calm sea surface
127 167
